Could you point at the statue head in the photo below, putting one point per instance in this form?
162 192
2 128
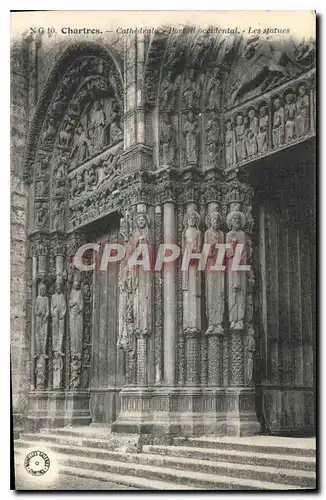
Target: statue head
251 113
142 220
289 98
263 111
277 103
76 284
58 286
228 125
236 220
97 105
214 220
42 289
302 89
239 120
192 219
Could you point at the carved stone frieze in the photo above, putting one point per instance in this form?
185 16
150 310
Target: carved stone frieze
271 122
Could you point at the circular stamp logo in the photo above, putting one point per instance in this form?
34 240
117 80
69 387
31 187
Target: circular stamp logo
37 463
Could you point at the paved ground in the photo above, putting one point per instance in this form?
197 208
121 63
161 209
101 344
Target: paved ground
67 482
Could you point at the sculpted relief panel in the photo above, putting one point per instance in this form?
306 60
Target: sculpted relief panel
82 120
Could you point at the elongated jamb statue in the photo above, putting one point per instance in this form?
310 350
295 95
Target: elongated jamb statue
58 313
237 279
141 279
215 289
42 312
191 283
76 306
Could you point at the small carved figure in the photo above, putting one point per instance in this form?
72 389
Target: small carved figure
41 213
191 133
214 279
81 147
40 188
97 124
229 144
58 216
262 137
42 312
237 280
90 178
252 131
58 188
289 117
168 92
77 184
57 363
168 141
58 312
75 378
302 115
50 130
40 372
278 124
250 348
191 90
116 133
76 306
213 90
240 134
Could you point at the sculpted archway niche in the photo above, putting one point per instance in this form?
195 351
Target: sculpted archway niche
78 119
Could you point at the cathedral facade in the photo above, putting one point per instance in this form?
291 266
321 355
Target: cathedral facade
164 138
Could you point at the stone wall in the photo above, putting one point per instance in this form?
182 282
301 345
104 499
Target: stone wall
19 128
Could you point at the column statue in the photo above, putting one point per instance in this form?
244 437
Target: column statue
214 279
58 313
76 306
42 312
191 243
237 280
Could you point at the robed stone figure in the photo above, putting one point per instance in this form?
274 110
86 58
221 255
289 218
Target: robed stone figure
42 312
76 306
214 278
58 312
237 279
141 279
191 282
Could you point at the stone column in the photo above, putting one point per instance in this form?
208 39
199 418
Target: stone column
142 358
241 411
158 294
170 298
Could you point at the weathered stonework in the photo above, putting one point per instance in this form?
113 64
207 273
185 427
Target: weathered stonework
142 140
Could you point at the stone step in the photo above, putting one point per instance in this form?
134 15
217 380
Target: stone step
235 456
233 471
74 439
133 482
82 431
254 444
